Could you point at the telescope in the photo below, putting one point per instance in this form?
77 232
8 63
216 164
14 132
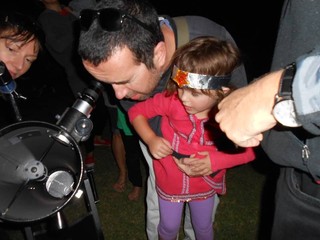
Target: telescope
41 165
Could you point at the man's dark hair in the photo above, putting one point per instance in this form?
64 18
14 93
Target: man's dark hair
97 45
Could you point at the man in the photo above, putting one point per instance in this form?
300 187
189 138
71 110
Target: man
248 113
125 43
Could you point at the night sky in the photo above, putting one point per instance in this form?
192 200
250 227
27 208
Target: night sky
253 24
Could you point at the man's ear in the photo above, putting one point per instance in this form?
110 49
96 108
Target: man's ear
160 54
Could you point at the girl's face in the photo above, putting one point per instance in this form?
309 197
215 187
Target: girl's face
197 103
17 55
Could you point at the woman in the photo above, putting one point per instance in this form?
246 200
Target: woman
20 43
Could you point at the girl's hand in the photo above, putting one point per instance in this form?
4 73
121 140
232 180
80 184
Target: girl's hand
159 147
197 165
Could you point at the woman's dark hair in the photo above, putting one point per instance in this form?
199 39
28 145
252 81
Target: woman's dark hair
19 27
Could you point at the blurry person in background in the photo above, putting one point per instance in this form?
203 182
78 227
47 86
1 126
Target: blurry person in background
59 23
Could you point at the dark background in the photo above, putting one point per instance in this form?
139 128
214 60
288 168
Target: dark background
253 24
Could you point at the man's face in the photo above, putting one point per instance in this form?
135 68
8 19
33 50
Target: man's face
128 78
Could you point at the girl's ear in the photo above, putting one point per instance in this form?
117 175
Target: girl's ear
225 90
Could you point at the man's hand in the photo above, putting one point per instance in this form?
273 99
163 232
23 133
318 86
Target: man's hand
247 112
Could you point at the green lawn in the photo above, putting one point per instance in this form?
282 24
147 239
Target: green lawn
237 215
237 218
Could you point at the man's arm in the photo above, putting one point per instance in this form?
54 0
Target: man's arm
306 91
247 112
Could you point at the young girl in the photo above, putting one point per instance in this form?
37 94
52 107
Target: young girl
200 77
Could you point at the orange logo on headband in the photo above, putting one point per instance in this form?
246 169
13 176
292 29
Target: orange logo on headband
181 78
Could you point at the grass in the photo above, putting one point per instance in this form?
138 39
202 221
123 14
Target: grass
238 214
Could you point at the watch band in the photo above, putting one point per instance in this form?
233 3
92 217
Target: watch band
285 88
284 109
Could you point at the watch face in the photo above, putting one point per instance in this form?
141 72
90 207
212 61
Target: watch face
285 114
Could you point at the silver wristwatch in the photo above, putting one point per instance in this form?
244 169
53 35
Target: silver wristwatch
284 109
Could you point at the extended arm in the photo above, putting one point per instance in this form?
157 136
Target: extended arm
247 112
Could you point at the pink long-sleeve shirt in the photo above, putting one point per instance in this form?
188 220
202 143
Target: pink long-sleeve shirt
187 135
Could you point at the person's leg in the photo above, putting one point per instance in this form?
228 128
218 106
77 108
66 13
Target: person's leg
133 158
99 118
170 219
89 160
135 193
201 212
117 149
120 157
131 144
153 216
187 226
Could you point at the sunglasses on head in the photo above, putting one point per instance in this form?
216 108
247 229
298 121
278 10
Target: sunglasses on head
110 19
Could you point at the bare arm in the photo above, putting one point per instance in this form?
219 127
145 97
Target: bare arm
158 146
247 112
